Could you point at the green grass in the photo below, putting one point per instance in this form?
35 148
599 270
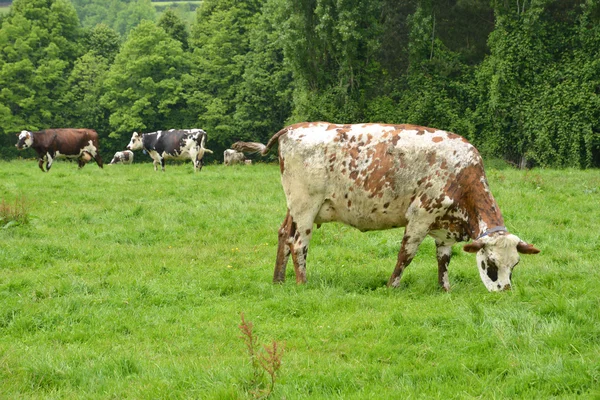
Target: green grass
129 283
4 10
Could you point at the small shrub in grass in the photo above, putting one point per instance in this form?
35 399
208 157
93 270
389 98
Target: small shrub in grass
268 360
14 214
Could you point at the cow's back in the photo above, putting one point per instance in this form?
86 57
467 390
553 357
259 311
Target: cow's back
69 141
163 141
368 175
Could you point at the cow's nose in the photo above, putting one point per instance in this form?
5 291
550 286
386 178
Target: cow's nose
507 287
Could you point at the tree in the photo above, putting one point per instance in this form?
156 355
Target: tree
144 89
120 15
39 42
174 26
219 42
264 99
103 41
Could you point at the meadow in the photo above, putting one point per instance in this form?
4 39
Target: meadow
130 283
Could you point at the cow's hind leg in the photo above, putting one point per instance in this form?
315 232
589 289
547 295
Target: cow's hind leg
443 253
41 163
285 237
300 234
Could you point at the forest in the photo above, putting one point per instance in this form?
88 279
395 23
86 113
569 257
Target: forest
520 79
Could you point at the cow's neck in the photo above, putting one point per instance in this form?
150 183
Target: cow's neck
475 201
482 213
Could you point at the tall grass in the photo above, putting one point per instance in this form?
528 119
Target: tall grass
129 283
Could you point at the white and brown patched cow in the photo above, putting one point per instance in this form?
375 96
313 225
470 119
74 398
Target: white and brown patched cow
122 157
79 144
232 157
376 176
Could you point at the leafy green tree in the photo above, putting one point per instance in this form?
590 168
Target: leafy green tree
332 48
144 86
86 86
219 41
39 42
538 98
264 99
174 26
120 15
103 41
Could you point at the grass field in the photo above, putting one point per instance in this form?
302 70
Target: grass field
4 10
129 283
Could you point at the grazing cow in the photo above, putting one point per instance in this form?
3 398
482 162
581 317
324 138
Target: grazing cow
231 157
122 157
80 144
376 176
176 144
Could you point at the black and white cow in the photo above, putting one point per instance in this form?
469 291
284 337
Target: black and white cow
122 157
179 144
80 144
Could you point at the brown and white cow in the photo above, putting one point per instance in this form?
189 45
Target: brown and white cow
80 144
376 176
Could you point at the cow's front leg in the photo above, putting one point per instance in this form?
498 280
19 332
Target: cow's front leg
49 162
162 164
413 236
443 253
285 237
41 161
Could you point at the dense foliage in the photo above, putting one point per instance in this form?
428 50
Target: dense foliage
519 78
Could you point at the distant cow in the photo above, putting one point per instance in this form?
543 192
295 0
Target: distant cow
80 144
376 176
122 157
231 157
177 144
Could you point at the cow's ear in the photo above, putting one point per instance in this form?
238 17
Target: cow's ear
474 247
526 248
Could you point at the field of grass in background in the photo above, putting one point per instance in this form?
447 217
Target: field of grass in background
4 10
129 283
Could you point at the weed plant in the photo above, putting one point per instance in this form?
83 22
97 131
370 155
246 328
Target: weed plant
129 283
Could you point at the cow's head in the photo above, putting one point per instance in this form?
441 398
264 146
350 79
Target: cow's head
136 142
497 255
25 140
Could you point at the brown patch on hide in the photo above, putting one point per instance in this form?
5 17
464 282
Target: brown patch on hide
431 155
437 139
380 171
281 163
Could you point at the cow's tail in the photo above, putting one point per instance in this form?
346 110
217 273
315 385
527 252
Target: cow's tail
248 147
202 142
274 139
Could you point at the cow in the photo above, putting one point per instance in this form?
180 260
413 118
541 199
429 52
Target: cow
380 176
231 157
80 144
122 157
177 144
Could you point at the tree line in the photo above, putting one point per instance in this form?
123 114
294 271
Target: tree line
519 78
